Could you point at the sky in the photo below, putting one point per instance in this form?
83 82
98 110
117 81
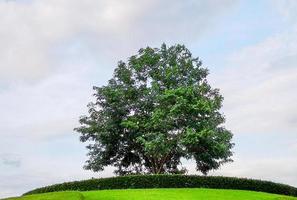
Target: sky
53 52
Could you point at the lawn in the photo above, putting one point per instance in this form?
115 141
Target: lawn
157 194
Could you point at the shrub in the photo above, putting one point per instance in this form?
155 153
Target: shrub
170 181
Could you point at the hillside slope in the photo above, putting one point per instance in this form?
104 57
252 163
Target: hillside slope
169 181
157 194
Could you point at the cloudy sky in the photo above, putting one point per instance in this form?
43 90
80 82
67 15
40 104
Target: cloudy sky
53 51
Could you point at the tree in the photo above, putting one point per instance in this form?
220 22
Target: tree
156 109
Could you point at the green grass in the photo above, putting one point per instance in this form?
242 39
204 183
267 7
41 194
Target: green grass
52 196
157 194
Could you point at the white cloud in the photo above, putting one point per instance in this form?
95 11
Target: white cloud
287 9
39 170
30 31
278 169
259 87
49 108
10 160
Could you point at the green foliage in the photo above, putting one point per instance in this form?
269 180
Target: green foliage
157 109
170 181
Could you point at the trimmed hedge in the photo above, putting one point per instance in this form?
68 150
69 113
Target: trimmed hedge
170 181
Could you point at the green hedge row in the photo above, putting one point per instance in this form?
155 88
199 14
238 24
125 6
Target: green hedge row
171 181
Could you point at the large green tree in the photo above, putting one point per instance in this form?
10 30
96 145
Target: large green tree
156 110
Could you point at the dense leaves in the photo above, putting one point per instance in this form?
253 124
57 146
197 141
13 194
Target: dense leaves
157 109
170 181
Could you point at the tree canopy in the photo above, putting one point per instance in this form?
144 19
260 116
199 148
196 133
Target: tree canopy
156 110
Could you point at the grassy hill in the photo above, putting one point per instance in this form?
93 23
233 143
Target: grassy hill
157 194
164 187
169 181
